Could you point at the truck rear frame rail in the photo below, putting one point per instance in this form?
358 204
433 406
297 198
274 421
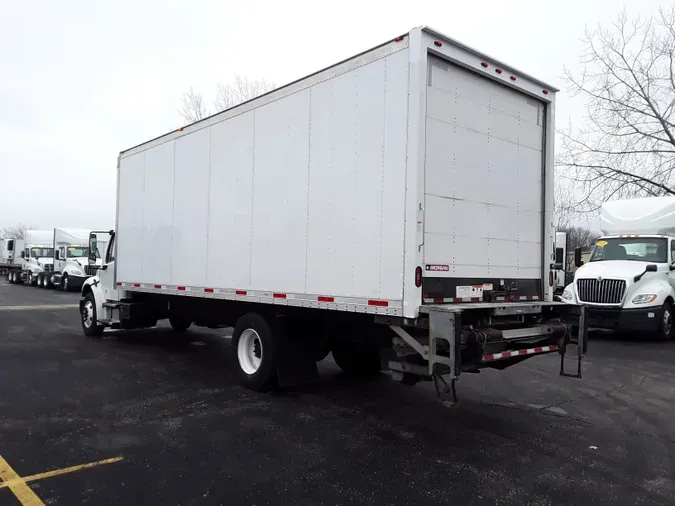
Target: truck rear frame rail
448 339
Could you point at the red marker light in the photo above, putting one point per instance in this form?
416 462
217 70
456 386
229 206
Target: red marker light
418 276
513 78
484 64
545 92
499 71
438 43
399 39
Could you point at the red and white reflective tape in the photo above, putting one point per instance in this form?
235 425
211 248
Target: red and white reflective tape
455 300
518 353
319 301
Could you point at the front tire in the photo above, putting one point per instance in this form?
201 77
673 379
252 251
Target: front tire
255 346
40 280
65 283
88 317
10 277
32 279
47 282
667 324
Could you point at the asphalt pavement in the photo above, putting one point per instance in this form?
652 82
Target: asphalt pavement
144 418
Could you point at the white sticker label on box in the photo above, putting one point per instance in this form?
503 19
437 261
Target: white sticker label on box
470 292
487 287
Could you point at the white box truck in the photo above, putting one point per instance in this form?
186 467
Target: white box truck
629 282
37 257
394 209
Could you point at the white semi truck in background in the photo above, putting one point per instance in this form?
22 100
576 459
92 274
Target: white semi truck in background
37 257
56 257
629 282
71 252
394 209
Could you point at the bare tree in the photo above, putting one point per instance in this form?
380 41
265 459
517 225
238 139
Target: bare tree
16 232
577 237
580 237
564 204
227 95
627 148
192 106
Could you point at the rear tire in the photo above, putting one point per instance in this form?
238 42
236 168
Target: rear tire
255 348
179 324
356 359
666 324
88 317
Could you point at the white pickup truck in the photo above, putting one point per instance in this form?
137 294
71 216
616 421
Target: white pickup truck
629 282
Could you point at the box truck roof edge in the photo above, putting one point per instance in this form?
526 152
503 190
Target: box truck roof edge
423 28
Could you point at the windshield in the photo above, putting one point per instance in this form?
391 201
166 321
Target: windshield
77 252
640 249
41 252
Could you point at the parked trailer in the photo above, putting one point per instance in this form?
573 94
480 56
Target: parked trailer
394 209
6 256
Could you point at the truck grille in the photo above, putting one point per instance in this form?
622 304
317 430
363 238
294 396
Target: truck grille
601 291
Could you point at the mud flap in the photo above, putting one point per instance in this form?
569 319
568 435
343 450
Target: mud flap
296 365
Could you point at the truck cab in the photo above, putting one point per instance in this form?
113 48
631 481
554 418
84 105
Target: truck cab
71 251
628 283
38 258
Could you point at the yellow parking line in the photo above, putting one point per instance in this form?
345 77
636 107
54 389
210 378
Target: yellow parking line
58 472
43 307
23 492
25 495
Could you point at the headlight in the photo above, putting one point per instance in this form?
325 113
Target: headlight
644 298
567 295
75 272
37 270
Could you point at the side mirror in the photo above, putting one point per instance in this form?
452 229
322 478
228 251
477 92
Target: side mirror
556 267
92 249
652 268
10 245
577 257
57 255
23 254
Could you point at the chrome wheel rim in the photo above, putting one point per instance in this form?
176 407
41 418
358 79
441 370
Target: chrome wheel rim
667 322
88 314
249 351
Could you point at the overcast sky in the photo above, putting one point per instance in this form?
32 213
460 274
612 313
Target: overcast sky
82 80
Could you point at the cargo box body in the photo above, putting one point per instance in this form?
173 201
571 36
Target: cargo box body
332 191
